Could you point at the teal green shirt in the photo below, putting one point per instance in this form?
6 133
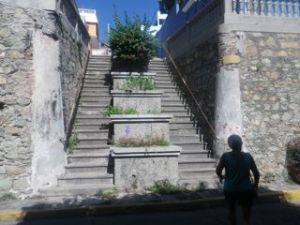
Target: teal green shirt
237 171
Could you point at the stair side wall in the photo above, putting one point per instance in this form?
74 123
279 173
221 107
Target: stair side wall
247 81
42 66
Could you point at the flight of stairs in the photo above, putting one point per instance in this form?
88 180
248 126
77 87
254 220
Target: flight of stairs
195 168
89 169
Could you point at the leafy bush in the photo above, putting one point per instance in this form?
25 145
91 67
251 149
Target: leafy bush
165 187
132 44
119 110
139 83
73 142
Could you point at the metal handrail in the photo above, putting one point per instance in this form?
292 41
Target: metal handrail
199 108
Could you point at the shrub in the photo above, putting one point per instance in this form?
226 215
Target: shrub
119 110
73 142
142 142
165 187
132 44
139 83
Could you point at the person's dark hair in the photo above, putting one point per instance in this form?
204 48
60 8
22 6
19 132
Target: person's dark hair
235 142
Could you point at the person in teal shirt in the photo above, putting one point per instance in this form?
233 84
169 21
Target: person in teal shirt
238 187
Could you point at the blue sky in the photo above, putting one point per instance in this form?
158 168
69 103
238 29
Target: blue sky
105 10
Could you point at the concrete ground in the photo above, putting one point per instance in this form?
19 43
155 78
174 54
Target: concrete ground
263 214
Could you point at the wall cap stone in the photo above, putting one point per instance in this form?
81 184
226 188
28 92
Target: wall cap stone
153 151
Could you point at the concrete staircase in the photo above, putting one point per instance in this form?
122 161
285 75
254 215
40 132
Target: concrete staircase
89 169
195 168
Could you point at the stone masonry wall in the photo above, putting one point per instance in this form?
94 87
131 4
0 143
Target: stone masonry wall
269 66
17 81
270 87
16 84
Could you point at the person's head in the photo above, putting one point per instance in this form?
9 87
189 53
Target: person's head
235 143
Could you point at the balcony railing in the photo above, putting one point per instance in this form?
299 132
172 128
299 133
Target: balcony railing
284 8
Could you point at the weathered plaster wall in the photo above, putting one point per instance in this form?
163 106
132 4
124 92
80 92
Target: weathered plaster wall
270 89
40 66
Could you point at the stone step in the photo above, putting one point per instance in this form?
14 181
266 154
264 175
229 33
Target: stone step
90 130
99 81
184 138
165 82
186 131
100 64
162 75
181 125
195 164
100 60
96 82
91 119
173 107
96 78
92 110
181 112
100 141
99 95
179 119
157 68
91 85
96 91
98 69
196 173
86 168
175 99
193 154
166 87
92 126
163 79
97 75
94 101
98 150
190 146
95 106
88 158
103 102
92 179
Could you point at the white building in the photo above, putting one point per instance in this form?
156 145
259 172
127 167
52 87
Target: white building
160 19
89 17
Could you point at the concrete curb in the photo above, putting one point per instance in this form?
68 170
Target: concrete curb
283 196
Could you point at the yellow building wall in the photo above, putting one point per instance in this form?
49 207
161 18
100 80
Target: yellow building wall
92 29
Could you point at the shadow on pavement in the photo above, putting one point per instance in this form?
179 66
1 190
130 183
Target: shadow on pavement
178 208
